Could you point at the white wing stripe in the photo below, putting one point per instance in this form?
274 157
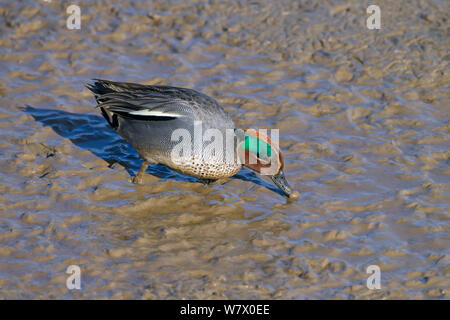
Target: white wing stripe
155 113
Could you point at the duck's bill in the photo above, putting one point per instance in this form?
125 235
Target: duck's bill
281 182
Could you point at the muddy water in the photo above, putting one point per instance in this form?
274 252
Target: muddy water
364 124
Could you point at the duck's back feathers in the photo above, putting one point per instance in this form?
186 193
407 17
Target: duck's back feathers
154 102
137 101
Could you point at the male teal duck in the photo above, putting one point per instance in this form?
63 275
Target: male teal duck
147 116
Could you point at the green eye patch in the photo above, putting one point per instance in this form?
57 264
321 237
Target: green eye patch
258 147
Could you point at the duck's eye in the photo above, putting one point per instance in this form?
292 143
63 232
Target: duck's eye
260 148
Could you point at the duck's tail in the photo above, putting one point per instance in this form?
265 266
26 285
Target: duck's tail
100 87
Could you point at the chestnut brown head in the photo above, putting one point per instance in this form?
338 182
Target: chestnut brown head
259 153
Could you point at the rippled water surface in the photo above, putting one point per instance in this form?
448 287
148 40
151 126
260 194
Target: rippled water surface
364 129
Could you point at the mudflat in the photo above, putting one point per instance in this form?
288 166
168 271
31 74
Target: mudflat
364 129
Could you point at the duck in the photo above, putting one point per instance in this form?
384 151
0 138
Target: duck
163 124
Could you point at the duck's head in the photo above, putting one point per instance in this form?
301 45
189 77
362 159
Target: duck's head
259 153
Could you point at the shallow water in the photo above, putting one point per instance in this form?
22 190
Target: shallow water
364 129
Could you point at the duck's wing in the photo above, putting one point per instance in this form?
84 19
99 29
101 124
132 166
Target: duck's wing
142 101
